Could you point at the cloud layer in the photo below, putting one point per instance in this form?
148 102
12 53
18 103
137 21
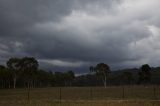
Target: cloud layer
78 33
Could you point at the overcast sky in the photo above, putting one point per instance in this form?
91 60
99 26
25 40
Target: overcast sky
74 34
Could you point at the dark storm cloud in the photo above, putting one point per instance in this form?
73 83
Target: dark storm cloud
78 33
22 13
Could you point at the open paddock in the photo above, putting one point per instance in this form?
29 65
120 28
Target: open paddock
82 96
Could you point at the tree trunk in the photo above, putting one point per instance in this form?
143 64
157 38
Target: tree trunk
65 83
105 81
2 86
28 94
31 84
40 84
34 84
28 85
14 82
9 85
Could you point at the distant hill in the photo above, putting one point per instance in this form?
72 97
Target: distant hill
117 78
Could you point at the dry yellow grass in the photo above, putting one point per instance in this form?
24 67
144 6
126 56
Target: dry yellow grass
86 96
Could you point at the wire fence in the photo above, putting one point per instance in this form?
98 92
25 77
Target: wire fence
111 93
99 93
64 95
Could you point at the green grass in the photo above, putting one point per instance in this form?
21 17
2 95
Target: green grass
85 96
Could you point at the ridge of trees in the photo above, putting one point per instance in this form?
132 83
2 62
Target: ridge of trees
25 72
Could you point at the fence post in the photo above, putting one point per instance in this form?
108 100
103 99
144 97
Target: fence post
60 95
123 96
91 96
28 93
91 93
154 92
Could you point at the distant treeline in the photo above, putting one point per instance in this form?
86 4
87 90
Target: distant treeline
25 72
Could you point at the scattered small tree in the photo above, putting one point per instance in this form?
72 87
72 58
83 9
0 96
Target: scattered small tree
29 66
101 70
91 68
145 73
2 76
69 77
14 66
127 77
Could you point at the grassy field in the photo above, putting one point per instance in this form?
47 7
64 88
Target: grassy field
86 96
